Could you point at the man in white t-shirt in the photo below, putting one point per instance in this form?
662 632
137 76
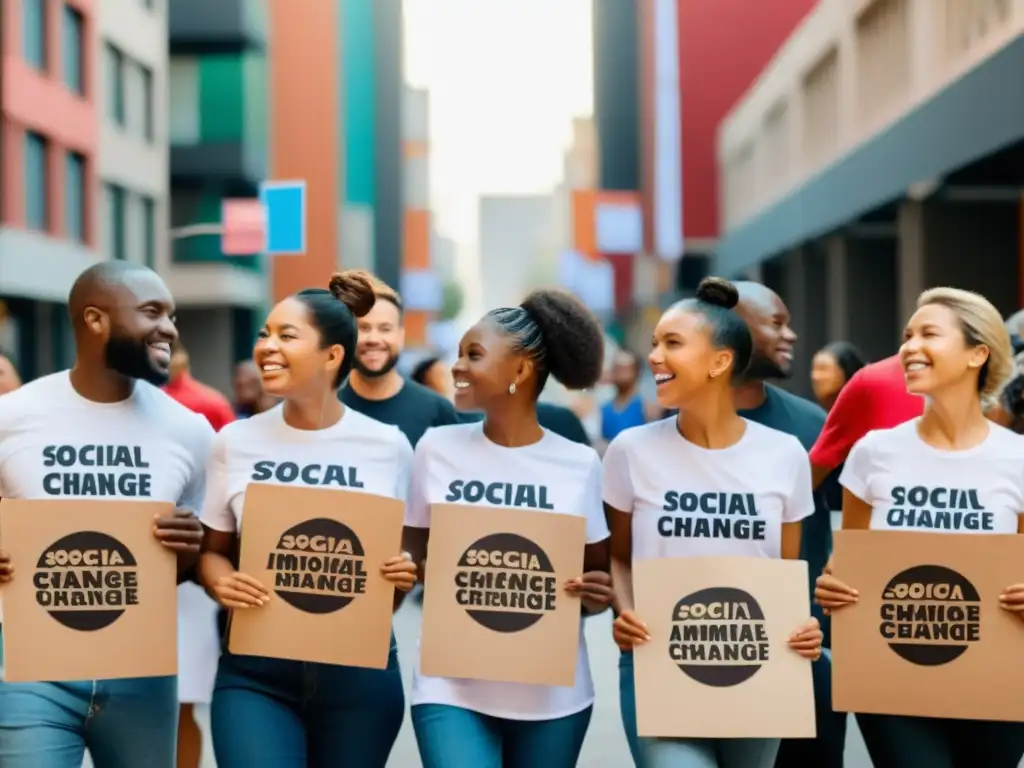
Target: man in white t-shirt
104 430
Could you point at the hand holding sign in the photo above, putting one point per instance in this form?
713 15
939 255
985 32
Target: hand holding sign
629 631
238 590
1011 600
807 640
594 588
181 531
6 569
400 571
831 593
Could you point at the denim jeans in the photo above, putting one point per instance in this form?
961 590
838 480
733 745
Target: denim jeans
709 753
826 751
453 737
274 713
123 723
931 742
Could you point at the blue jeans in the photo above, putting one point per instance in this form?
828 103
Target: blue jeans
826 751
123 723
453 737
709 753
274 713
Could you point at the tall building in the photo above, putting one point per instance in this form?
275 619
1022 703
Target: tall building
48 162
876 155
218 88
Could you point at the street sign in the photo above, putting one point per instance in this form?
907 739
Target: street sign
285 206
243 227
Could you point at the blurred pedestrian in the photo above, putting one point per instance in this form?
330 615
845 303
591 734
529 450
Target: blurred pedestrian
432 372
248 396
9 378
374 387
193 394
833 366
626 408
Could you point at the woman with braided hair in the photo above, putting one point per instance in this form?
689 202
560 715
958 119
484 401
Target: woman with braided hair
504 362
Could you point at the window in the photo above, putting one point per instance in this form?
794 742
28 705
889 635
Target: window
149 231
71 44
114 75
183 116
146 78
33 32
36 214
115 199
74 197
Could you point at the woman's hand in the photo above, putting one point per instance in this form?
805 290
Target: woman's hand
807 640
400 571
238 590
629 631
594 589
832 594
1011 600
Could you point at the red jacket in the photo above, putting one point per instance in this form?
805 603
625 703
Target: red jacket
201 399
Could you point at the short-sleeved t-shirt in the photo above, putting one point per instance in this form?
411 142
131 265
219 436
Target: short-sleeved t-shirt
459 464
414 409
56 444
356 454
912 486
875 398
689 501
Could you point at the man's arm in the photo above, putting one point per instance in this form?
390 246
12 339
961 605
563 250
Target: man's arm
846 423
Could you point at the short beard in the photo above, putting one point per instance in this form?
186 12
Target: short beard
384 370
762 368
130 358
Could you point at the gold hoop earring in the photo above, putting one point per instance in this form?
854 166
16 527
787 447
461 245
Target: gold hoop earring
512 388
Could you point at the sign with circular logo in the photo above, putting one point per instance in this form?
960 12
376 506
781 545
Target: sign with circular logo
930 615
318 566
86 580
505 582
719 636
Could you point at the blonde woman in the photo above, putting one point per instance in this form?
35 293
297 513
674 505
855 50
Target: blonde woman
956 352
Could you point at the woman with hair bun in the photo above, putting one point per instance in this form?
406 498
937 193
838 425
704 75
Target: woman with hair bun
700 346
504 362
956 354
275 712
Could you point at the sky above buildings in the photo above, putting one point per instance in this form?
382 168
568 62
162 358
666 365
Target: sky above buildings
505 77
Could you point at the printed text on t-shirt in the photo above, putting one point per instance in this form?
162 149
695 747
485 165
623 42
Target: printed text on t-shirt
306 474
96 470
938 508
499 494
720 515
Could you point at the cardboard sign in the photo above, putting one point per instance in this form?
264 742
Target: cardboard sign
718 664
927 636
319 552
94 594
494 604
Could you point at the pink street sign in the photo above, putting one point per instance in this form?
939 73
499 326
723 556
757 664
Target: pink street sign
244 227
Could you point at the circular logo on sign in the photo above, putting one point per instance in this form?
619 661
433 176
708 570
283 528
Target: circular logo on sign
718 636
318 566
930 614
505 582
86 580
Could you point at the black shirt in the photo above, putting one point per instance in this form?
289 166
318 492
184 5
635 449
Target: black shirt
414 410
556 418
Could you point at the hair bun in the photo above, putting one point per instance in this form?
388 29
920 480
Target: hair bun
718 291
354 289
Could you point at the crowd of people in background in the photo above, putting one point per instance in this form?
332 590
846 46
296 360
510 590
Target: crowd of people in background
325 376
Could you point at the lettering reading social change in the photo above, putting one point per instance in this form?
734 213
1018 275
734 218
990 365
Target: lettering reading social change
96 470
721 515
939 508
318 566
525 495
307 474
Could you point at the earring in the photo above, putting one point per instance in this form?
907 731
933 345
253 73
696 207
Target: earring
512 388
712 374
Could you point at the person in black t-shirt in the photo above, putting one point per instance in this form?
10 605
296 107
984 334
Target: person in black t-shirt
375 388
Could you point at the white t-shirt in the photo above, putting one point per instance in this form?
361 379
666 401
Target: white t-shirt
356 454
689 501
56 444
912 486
555 474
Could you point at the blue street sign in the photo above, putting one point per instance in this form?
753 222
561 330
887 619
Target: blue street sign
285 204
